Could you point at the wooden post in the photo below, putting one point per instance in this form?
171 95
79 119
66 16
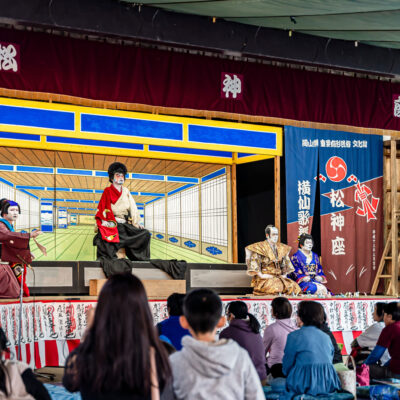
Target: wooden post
234 216
277 192
395 242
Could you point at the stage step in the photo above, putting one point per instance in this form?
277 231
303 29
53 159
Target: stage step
155 288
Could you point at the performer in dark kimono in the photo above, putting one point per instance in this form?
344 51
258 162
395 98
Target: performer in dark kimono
15 253
308 271
118 220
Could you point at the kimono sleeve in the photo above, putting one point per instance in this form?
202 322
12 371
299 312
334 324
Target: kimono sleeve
134 211
298 269
104 213
252 262
320 271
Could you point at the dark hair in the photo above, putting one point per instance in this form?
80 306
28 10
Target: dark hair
114 168
311 313
240 311
3 371
175 304
115 355
202 309
5 205
393 309
380 309
281 308
303 237
268 229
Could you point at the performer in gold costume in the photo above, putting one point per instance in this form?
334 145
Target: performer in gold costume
268 263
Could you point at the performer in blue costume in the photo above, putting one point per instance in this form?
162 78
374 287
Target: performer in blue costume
308 271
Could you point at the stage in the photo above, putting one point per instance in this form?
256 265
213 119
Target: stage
54 326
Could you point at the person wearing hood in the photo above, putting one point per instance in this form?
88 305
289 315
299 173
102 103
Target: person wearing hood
275 335
245 330
206 368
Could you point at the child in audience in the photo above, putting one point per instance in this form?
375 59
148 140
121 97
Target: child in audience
170 327
17 380
206 368
365 343
245 330
275 334
307 362
389 339
121 356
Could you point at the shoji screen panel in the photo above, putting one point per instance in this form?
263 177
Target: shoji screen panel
174 218
148 217
35 213
214 218
159 219
23 220
190 218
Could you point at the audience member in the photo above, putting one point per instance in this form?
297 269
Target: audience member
337 355
307 361
206 368
275 335
389 339
170 327
17 380
121 356
245 330
365 343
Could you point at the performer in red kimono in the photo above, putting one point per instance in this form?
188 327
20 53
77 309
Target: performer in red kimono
15 253
118 221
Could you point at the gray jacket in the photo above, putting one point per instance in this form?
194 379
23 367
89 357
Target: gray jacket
213 371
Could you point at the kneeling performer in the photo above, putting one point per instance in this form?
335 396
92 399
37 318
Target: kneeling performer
307 268
268 263
15 253
117 218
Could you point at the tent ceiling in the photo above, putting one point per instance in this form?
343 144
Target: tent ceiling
367 21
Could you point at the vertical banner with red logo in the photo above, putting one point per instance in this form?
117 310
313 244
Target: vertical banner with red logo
351 191
301 182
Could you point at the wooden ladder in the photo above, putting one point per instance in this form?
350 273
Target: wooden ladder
386 270
389 265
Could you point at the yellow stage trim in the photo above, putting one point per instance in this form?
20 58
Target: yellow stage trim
184 121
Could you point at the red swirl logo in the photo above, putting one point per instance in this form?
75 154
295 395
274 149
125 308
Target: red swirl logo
336 169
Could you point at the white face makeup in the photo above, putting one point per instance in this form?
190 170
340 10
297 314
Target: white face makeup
119 179
274 235
308 245
13 213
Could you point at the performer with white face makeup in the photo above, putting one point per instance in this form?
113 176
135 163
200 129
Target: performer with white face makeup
118 221
308 271
15 247
268 263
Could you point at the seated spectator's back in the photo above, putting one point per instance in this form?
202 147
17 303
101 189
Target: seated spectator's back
209 369
16 378
245 330
171 327
365 343
275 334
307 362
121 356
389 340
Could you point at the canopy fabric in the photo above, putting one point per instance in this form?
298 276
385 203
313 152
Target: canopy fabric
367 21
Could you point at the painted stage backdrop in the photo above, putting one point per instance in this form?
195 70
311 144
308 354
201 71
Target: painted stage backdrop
185 205
349 169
